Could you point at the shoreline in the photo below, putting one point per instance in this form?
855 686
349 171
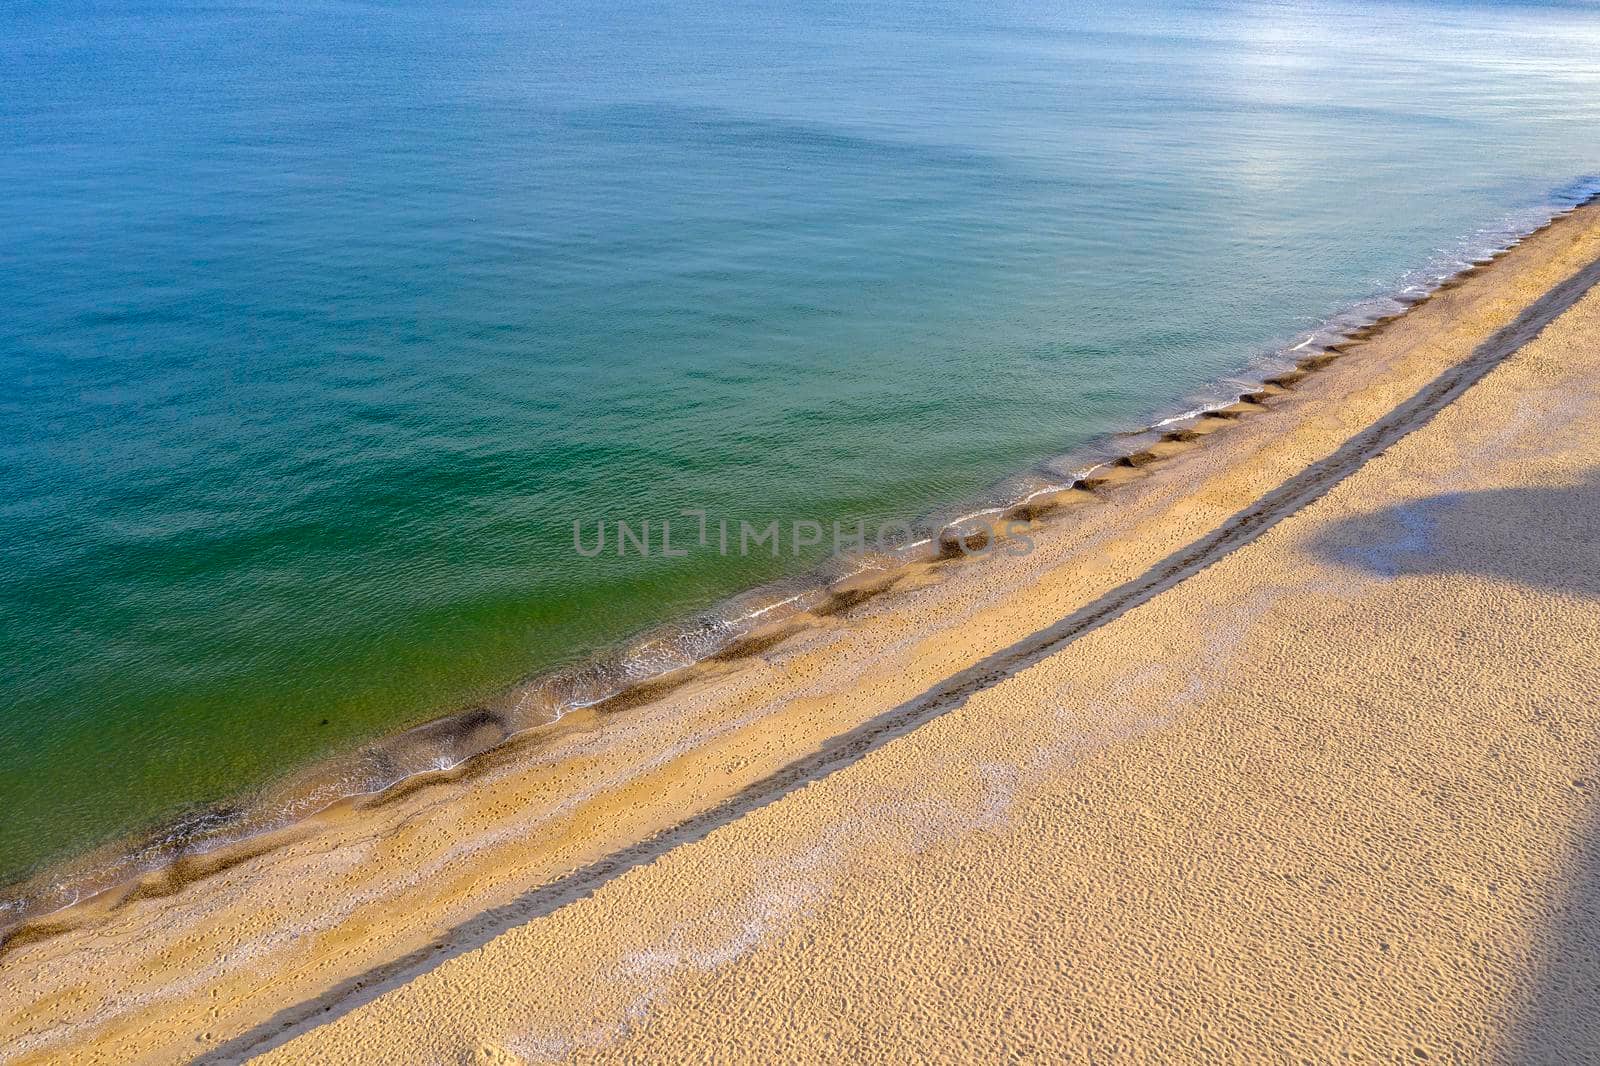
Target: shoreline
1328 795
710 738
842 751
212 837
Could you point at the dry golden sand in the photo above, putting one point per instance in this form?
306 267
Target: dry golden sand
1331 794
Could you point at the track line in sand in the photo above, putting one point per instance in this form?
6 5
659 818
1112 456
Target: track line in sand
1242 528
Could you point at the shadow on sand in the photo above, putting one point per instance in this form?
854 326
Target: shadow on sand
1545 539
1539 538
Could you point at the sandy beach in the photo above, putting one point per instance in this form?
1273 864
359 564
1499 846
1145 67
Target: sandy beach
1281 744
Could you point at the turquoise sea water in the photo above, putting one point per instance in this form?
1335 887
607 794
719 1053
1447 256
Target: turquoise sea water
324 320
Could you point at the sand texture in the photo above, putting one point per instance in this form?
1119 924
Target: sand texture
1281 746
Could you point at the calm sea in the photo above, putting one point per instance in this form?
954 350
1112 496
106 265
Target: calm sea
323 321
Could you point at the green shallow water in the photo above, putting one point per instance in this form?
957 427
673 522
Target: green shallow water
325 320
